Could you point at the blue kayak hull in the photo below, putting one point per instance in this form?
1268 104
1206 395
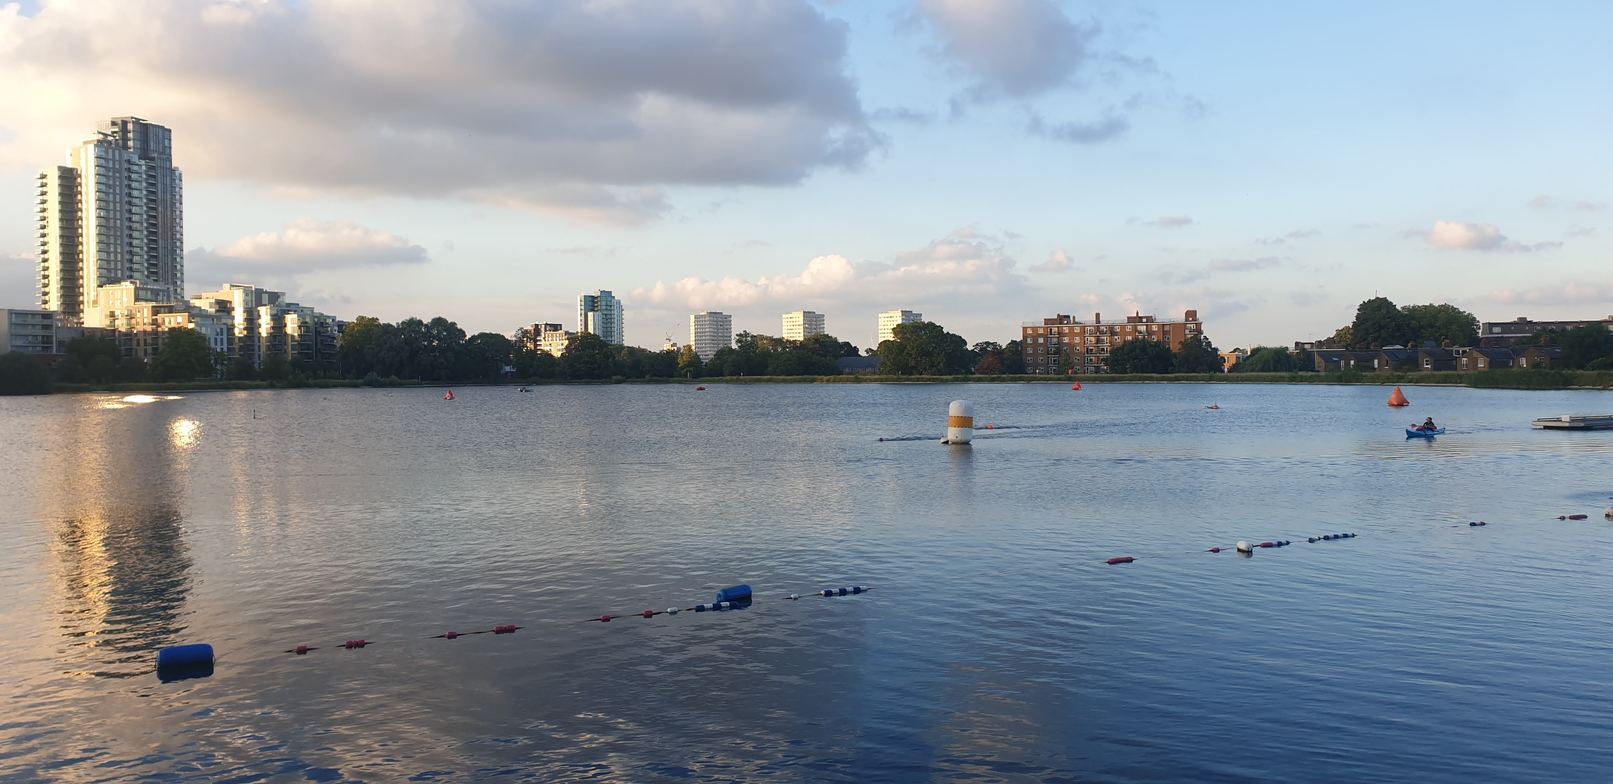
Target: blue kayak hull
1412 432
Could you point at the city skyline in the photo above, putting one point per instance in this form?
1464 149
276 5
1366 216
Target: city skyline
1271 169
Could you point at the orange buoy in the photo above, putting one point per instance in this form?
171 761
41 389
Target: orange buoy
1076 387
1398 398
449 395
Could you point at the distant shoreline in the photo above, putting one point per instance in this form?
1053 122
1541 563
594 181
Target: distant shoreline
1495 379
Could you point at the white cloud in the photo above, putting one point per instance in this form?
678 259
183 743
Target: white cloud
19 281
1057 261
1291 237
963 260
1544 202
1244 265
964 280
301 248
1457 235
585 109
317 244
1093 132
1010 48
1598 293
1163 222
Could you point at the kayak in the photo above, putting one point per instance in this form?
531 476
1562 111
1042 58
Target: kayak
1412 432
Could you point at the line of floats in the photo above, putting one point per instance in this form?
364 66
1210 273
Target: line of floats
196 660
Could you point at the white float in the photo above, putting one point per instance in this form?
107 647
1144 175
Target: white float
960 422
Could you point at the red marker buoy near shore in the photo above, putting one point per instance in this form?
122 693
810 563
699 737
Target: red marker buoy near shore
449 395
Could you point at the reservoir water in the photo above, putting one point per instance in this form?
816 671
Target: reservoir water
996 646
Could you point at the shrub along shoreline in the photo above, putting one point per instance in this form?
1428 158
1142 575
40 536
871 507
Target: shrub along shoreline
1492 379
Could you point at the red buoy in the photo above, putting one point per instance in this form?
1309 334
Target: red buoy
699 389
449 395
1076 387
604 618
1120 560
649 613
451 636
351 644
507 628
301 650
1266 544
1579 517
1216 549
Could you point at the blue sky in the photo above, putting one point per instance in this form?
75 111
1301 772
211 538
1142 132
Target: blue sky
983 162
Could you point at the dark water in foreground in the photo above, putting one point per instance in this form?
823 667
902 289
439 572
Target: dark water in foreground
997 647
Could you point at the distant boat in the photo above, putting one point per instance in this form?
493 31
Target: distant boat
1418 432
449 395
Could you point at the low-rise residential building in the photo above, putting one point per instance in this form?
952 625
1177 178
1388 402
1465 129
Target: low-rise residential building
1470 359
1335 360
1395 359
802 324
1537 357
1522 330
1061 343
28 331
889 320
1230 359
1436 359
710 331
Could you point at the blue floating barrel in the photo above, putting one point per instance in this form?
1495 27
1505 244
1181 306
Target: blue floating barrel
736 593
185 661
857 589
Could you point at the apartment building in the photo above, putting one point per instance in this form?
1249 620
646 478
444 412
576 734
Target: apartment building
1061 343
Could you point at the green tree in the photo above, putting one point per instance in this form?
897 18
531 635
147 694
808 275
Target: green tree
358 348
95 358
689 362
1379 323
1446 325
1013 358
532 363
440 351
185 356
1197 355
275 368
1585 346
1267 359
1343 337
129 370
923 348
587 357
1140 355
23 374
240 369
484 356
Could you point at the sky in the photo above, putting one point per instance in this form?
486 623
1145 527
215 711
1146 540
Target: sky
982 162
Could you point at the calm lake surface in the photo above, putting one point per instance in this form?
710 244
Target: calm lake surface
997 646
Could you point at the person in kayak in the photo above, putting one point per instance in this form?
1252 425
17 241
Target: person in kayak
1428 425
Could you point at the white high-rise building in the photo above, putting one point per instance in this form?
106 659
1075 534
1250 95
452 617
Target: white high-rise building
710 331
890 318
802 324
114 213
601 314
